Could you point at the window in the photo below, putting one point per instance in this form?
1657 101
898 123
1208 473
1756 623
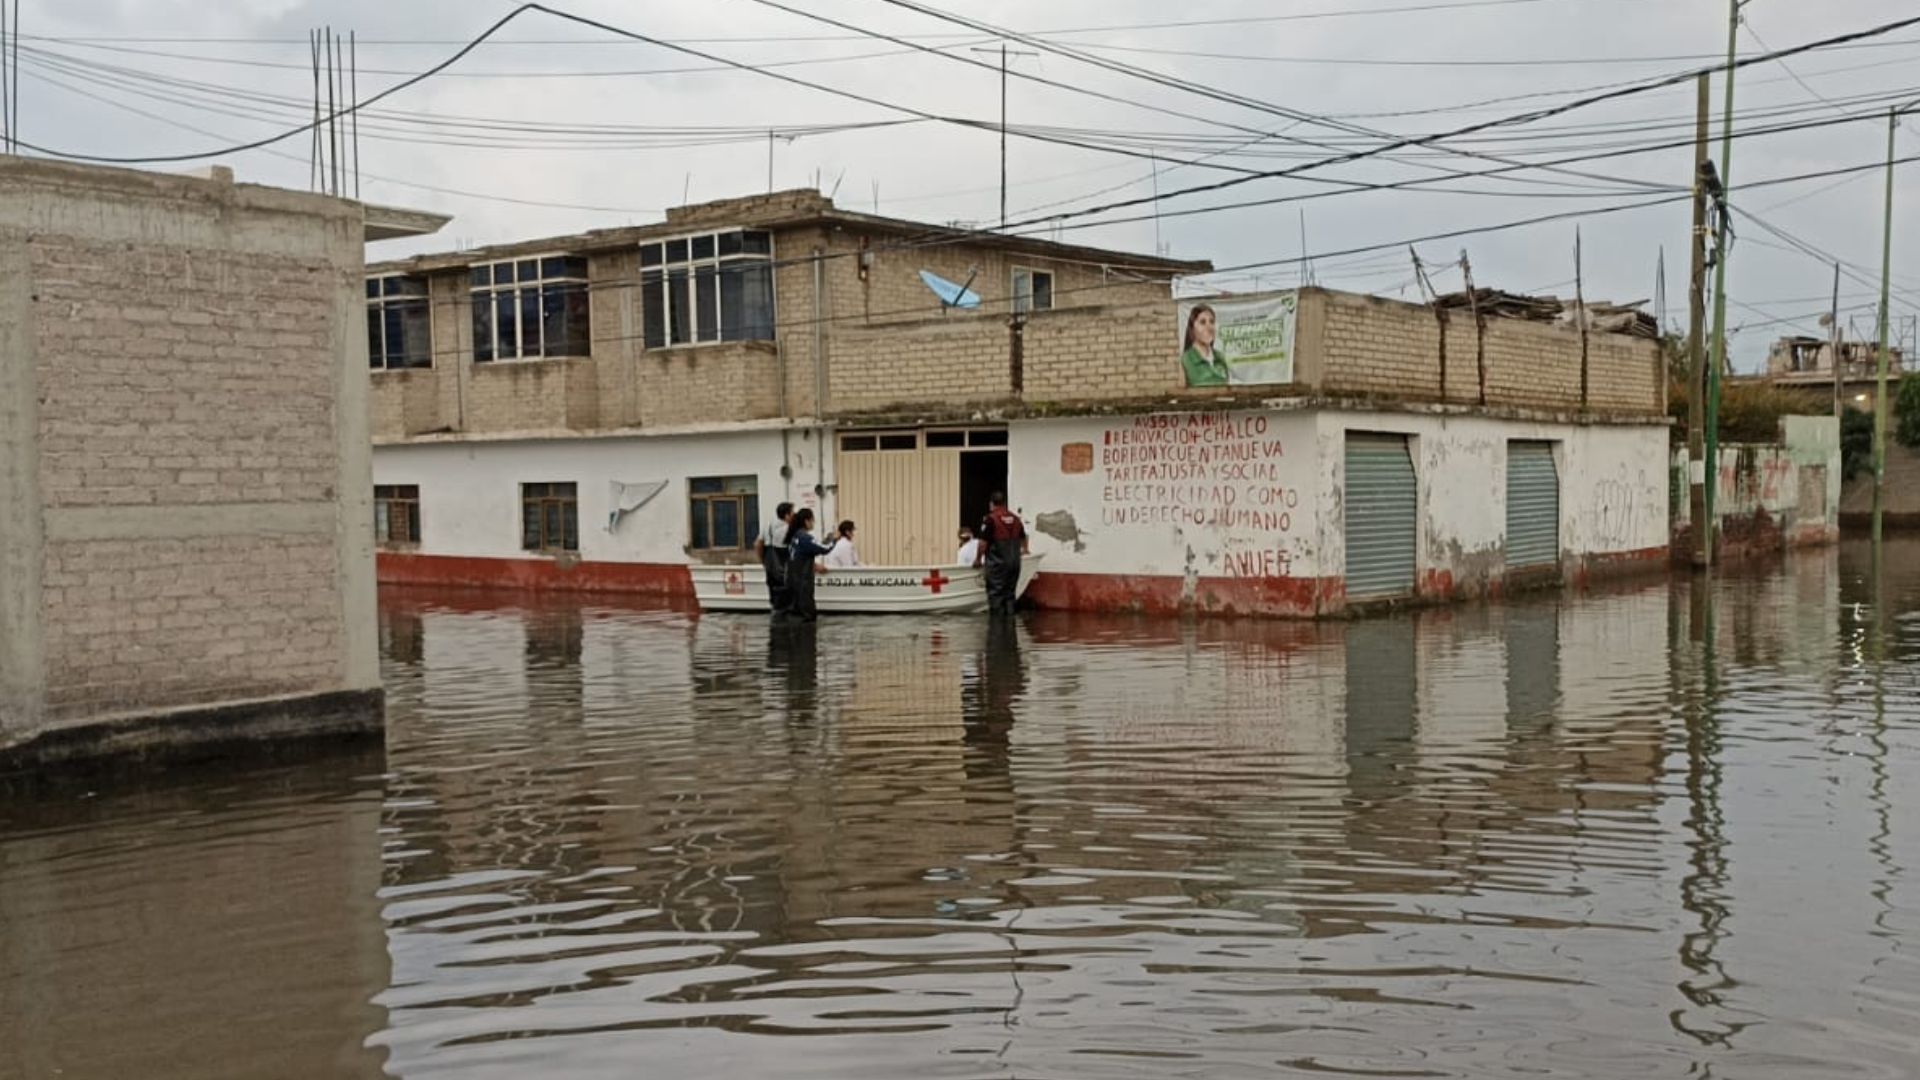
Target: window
530 309
549 517
715 287
396 514
1032 290
398 334
725 512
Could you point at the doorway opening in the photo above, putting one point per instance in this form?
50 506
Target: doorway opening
982 472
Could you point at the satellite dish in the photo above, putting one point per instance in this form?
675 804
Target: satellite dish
951 295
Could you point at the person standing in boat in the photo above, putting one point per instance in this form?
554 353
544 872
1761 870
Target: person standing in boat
969 554
843 556
1003 540
772 549
802 550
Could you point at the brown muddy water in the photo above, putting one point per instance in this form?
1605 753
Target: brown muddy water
1556 838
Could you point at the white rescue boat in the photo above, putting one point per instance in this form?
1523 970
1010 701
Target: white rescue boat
889 590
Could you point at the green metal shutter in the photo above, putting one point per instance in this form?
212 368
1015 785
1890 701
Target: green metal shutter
1533 506
1382 511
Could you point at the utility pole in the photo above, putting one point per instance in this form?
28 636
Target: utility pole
1833 320
1880 403
1696 329
1719 343
1004 53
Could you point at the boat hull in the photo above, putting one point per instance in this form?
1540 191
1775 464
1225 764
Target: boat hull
875 590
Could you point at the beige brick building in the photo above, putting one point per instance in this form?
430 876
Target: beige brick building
183 461
602 410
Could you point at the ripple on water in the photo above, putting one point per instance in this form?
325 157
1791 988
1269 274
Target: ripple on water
1548 839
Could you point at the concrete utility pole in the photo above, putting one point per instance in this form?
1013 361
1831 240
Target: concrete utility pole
1696 329
1881 406
1833 324
1719 358
1004 53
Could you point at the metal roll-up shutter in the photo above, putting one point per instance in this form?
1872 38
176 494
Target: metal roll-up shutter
1533 506
1382 511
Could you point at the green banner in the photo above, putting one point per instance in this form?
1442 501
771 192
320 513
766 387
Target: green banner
1238 342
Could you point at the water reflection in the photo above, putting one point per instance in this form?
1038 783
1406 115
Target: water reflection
1656 830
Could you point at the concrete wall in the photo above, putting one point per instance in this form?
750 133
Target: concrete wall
470 502
182 367
1770 495
1240 512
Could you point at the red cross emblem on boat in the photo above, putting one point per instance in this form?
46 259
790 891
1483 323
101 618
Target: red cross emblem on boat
936 581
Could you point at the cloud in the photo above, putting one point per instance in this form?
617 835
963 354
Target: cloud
501 124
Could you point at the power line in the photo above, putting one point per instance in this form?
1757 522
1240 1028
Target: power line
1197 88
976 125
1523 118
786 39
1283 262
1486 125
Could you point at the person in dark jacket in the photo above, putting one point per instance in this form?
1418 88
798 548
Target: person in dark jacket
801 552
772 549
1003 540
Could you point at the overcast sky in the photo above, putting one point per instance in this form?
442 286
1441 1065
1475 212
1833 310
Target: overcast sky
585 129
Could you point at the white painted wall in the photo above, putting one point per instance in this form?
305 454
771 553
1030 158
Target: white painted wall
1613 491
1613 483
470 491
1170 522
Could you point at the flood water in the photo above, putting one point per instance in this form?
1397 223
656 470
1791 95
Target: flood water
1556 838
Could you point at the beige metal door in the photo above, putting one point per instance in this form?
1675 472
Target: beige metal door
901 495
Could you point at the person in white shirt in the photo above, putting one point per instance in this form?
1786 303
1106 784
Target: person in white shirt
771 548
969 548
843 556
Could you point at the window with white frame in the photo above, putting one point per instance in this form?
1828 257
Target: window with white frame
710 287
1032 289
398 326
530 309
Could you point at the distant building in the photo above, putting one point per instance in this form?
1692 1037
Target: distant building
1808 363
183 462
600 410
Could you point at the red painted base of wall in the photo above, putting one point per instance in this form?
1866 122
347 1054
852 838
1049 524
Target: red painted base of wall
1161 595
652 579
1142 594
1619 564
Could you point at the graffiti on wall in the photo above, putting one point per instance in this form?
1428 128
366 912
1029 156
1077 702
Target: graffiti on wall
1219 472
1748 484
1626 512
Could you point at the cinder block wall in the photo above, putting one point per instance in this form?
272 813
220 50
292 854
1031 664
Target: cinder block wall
185 470
1370 346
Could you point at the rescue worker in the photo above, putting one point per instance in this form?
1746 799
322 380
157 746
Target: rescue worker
801 553
1003 540
771 547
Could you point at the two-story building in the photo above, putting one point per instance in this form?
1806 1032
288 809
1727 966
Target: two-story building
599 411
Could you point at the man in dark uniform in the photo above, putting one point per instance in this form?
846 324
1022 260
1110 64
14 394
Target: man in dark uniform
1003 539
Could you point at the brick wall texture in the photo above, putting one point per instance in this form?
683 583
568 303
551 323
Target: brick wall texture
870 293
180 376
1111 337
133 625
1374 347
186 345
